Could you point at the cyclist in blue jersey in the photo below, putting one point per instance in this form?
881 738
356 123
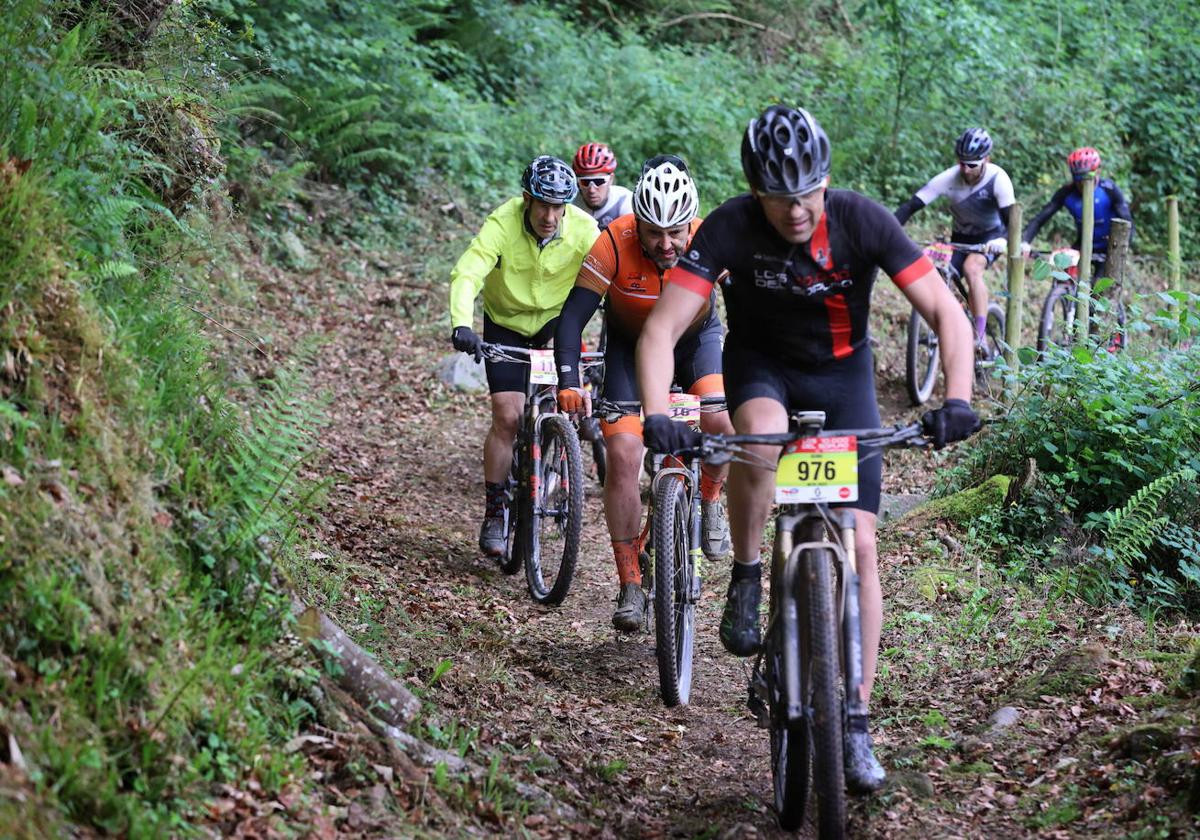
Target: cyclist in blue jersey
802 260
981 198
1109 203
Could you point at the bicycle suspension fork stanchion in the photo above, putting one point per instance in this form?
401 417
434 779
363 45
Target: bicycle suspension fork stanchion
852 649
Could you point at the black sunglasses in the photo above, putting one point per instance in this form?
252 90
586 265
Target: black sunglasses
593 182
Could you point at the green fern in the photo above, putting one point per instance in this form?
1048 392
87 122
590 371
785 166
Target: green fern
113 270
1132 528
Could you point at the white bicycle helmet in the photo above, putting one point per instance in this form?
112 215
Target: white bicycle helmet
665 195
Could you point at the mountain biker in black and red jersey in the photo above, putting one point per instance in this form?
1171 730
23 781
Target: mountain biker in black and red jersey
981 198
1109 203
595 166
801 260
524 259
629 265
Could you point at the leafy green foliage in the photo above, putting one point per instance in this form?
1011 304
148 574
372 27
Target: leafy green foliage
1111 439
460 95
141 508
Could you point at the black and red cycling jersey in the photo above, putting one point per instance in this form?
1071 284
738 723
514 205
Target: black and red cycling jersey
809 303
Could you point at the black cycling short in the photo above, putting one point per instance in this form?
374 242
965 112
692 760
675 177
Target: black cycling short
512 376
844 389
696 356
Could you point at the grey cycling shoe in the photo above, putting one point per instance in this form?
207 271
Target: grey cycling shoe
630 614
739 621
492 537
714 530
864 773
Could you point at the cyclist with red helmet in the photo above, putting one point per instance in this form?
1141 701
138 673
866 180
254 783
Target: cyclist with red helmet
801 262
595 166
524 259
981 198
1109 203
630 264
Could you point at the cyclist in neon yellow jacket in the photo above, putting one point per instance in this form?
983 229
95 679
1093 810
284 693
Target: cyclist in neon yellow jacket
525 259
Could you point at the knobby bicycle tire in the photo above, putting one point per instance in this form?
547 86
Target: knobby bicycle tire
921 360
600 459
674 606
993 346
790 745
1057 324
556 513
514 537
824 679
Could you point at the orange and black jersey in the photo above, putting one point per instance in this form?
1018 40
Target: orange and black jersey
617 268
805 304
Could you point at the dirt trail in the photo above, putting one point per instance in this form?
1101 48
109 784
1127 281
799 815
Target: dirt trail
553 693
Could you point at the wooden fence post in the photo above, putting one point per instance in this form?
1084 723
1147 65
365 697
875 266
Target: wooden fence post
1016 288
1083 309
1176 265
1118 260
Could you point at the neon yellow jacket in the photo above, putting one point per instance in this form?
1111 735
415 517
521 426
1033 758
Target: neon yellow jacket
523 286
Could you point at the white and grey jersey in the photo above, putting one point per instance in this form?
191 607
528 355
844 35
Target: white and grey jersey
975 207
620 202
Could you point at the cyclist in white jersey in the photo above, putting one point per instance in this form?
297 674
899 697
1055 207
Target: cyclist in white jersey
603 200
981 198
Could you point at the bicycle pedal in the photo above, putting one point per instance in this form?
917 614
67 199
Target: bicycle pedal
757 700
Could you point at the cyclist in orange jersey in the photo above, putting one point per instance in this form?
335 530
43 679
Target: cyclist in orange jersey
630 264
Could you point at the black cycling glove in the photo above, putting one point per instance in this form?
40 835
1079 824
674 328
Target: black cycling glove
955 420
662 434
468 341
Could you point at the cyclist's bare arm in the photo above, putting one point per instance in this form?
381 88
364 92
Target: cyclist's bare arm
934 300
675 310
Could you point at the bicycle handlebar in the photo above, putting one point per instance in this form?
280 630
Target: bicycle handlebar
979 248
612 410
513 353
720 449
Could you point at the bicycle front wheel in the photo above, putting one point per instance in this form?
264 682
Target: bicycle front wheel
824 668
600 459
674 587
515 517
557 512
1058 318
993 346
791 743
921 362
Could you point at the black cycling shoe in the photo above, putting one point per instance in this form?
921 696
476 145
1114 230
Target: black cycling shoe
864 773
739 622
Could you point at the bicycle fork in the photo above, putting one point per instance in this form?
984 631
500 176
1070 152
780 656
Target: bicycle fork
788 611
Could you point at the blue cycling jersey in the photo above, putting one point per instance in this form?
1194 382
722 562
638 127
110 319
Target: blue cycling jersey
1109 203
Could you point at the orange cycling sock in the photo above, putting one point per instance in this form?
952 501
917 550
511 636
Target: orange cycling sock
626 554
710 485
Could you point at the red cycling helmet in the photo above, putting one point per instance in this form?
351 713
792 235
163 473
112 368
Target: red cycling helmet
1084 160
594 159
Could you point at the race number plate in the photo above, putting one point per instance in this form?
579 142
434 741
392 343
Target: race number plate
939 253
822 469
541 367
685 408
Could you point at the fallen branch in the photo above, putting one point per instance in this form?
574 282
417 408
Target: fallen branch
360 675
725 16
427 755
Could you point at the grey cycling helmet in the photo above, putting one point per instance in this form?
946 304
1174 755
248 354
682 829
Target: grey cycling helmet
973 144
785 152
665 195
550 179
